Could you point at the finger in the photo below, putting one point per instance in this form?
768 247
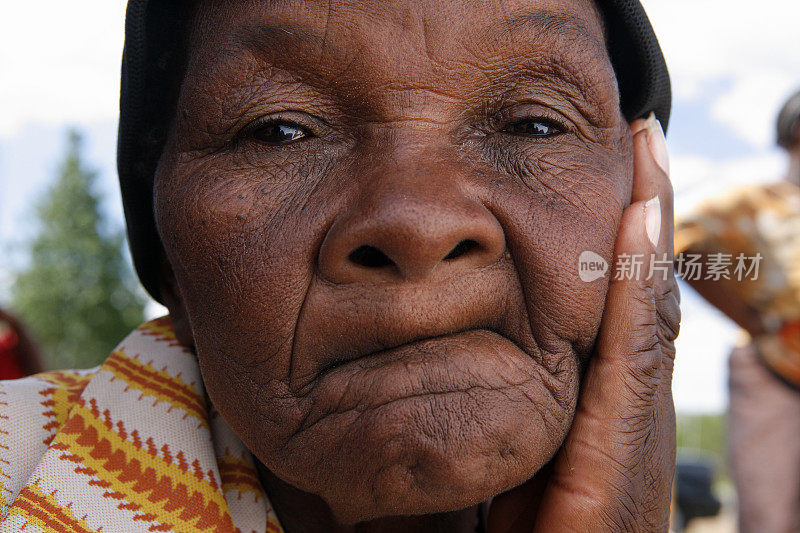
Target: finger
630 384
638 125
651 181
618 458
628 325
651 161
614 450
621 443
620 393
651 178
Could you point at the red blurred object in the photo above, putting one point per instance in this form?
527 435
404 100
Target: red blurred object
10 364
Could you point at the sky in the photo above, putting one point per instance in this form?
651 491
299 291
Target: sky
733 63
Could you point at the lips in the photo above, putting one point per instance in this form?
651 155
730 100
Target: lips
377 323
396 352
469 369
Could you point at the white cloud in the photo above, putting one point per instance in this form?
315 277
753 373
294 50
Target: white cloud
59 62
751 105
697 178
748 51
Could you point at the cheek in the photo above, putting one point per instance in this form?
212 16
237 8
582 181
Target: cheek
241 247
562 205
242 251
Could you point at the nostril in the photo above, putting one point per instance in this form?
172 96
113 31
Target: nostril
462 248
369 256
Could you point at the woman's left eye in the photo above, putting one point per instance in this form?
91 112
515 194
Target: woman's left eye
539 127
279 132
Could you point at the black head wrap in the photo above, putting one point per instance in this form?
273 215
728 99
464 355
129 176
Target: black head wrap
152 64
788 122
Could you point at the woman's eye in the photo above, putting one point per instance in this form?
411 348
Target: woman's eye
279 133
533 128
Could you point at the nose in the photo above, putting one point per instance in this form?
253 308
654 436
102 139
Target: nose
408 229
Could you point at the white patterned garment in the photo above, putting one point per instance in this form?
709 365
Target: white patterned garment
132 445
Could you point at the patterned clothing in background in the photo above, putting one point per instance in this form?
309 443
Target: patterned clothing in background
132 445
758 220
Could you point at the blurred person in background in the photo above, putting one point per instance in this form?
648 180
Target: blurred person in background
19 356
760 223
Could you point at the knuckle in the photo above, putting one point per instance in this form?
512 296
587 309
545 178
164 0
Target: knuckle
669 322
640 388
646 360
668 315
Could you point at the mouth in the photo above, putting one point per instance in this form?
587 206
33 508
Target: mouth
360 327
476 367
399 350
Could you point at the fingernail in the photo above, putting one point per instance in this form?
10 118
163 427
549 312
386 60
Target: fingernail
652 219
657 142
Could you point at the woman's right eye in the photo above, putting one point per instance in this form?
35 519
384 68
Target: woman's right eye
279 132
536 128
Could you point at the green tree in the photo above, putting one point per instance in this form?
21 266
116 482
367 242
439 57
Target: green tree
705 435
77 294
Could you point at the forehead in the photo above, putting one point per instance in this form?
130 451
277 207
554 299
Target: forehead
430 41
462 18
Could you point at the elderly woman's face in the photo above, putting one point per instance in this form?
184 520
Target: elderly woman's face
374 213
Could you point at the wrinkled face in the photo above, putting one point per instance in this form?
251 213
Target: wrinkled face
374 212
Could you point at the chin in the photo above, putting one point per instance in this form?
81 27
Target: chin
429 454
427 483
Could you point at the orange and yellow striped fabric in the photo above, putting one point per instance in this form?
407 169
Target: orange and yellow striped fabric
132 445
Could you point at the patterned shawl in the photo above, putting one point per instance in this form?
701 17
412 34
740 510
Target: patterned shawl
132 445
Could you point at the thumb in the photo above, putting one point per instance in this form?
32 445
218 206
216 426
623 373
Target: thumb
600 471
627 360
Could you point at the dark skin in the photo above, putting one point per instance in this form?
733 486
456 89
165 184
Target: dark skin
372 215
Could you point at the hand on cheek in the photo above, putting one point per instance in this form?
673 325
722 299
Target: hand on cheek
614 471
